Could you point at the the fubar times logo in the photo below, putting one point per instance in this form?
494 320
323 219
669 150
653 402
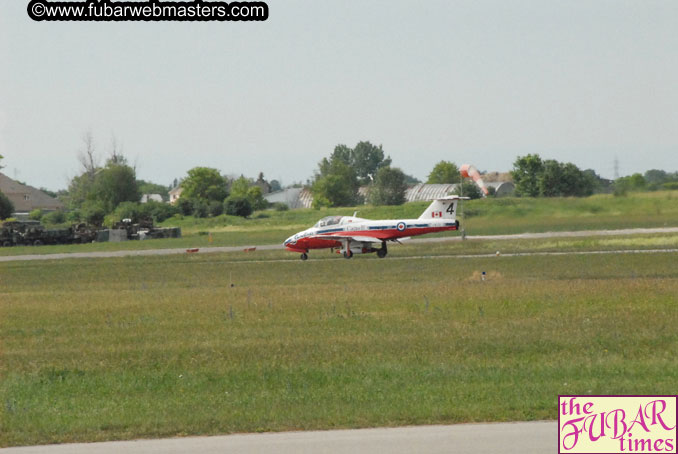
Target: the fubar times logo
617 424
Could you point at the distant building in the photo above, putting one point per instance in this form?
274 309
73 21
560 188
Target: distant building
502 188
292 197
27 198
154 197
174 194
422 192
425 192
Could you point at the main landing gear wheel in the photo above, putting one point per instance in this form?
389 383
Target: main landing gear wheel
381 253
304 256
348 254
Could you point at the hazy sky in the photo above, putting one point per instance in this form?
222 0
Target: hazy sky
467 81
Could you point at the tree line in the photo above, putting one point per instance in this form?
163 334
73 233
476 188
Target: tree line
103 194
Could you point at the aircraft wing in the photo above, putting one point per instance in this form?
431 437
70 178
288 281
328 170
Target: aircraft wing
344 236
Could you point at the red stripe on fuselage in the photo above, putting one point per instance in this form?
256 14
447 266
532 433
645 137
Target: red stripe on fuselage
378 235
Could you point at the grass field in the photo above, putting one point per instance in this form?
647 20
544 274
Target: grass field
219 343
483 217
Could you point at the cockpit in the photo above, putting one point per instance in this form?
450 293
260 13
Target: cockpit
328 220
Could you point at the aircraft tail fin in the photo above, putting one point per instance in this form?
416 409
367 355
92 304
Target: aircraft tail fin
443 208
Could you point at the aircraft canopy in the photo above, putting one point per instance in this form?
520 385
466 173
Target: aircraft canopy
328 220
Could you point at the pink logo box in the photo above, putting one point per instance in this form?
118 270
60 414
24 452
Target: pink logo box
612 424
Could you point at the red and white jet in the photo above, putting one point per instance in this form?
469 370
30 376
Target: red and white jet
352 235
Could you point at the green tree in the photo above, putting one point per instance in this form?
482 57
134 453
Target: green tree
468 189
94 212
365 160
411 180
256 197
275 186
6 207
575 182
245 188
240 187
525 173
389 187
550 180
635 182
114 184
79 189
558 179
337 187
444 172
655 176
204 183
109 185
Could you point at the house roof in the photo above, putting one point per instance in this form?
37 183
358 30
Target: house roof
27 198
176 190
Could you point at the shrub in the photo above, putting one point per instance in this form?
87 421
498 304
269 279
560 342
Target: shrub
469 190
74 216
35 214
6 207
200 208
158 211
280 206
185 206
215 208
238 206
55 217
94 213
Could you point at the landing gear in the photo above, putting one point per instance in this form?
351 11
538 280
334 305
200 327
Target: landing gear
347 249
304 256
381 253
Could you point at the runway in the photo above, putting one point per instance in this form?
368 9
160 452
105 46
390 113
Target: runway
268 247
495 438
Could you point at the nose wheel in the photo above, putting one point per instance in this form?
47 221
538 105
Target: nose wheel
381 253
304 256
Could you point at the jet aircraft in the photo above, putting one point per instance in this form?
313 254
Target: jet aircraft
352 235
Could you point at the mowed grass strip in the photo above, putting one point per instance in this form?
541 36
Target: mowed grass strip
163 346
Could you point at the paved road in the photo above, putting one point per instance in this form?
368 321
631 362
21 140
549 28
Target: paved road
499 438
75 255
